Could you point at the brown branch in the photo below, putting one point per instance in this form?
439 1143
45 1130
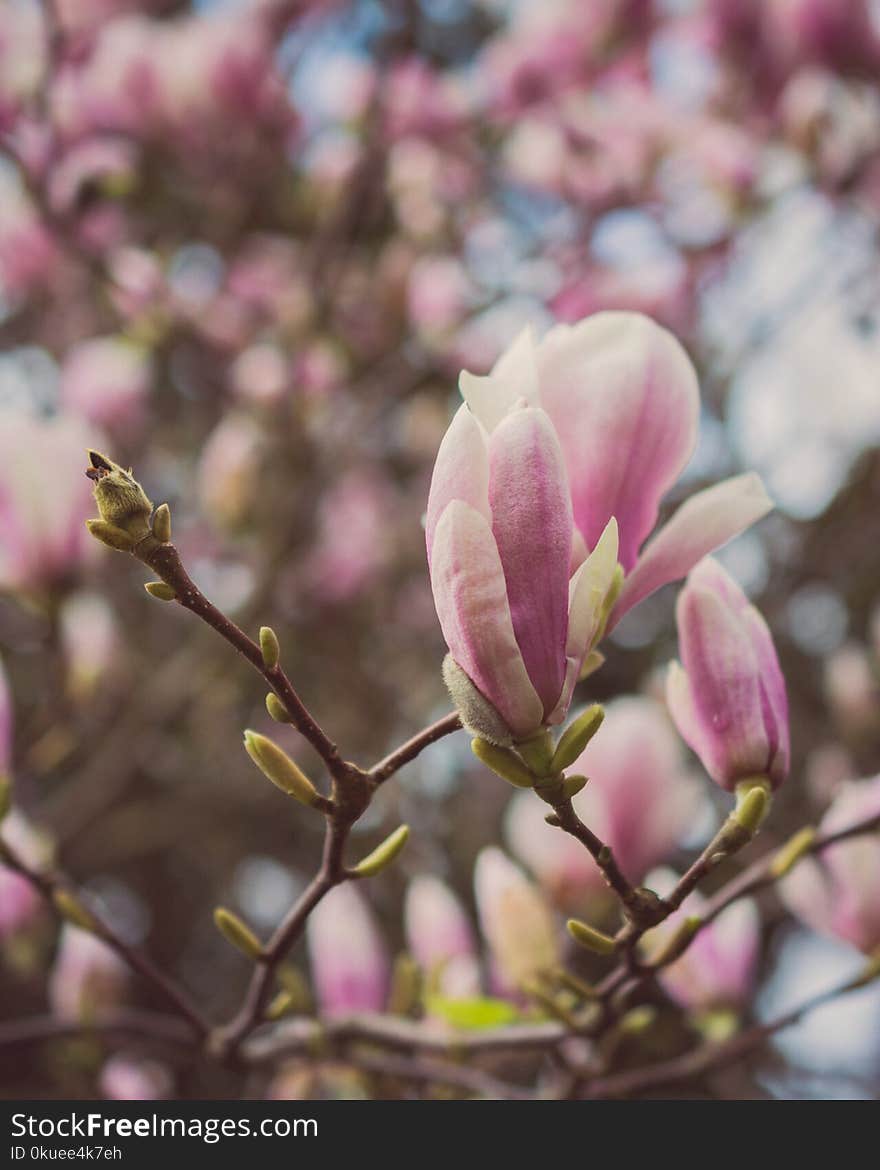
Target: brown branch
148 1026
49 884
413 747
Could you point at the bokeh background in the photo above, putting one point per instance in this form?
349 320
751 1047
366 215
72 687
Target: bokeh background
246 248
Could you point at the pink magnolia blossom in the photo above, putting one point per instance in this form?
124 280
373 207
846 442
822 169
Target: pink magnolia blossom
45 499
20 903
88 979
500 544
729 702
349 963
128 1078
516 921
440 937
641 800
623 398
5 724
107 380
718 968
836 892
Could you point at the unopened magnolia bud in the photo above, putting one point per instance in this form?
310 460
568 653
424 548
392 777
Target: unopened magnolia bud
270 647
111 535
589 937
573 784
277 709
281 1005
576 737
753 804
70 908
503 762
121 500
238 933
791 852
162 523
383 854
476 712
277 766
160 590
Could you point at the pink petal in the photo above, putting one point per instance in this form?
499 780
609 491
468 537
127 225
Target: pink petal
470 594
531 522
461 471
514 376
725 694
703 523
623 396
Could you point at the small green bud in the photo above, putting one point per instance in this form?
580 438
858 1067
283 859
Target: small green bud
5 795
753 804
160 590
121 500
280 1005
71 909
678 942
503 762
111 535
383 854
277 709
277 766
638 1020
162 523
579 988
589 937
573 784
791 852
537 753
576 737
238 933
270 647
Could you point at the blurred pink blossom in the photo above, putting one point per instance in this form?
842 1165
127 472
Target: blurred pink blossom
352 538
88 980
130 1078
107 380
348 958
229 468
516 921
835 892
20 904
45 499
440 937
641 800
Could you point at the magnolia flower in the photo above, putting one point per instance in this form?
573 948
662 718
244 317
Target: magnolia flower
623 398
500 544
45 499
5 724
20 903
128 1078
641 800
718 968
106 380
729 702
516 922
440 937
349 965
88 979
836 891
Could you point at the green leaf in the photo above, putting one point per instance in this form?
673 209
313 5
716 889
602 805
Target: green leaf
473 1014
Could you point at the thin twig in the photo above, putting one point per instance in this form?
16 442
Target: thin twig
413 747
